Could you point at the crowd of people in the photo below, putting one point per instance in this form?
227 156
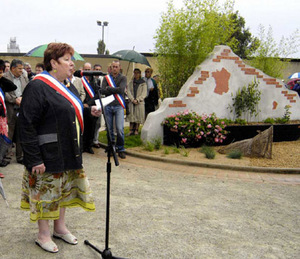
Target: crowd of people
50 116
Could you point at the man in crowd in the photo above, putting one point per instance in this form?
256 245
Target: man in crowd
98 81
13 101
115 83
151 101
28 69
91 90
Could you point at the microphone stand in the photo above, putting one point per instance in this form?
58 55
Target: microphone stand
111 149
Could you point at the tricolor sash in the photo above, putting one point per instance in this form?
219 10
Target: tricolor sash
65 92
119 97
2 100
87 87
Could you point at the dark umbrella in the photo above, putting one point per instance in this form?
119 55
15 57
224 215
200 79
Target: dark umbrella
131 56
2 192
39 52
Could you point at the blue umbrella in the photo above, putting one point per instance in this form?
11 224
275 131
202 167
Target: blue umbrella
295 75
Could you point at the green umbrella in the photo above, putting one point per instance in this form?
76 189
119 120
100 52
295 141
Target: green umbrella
39 52
131 56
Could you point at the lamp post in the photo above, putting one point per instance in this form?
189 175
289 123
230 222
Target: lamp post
103 24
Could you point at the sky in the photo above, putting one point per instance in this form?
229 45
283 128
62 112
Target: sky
131 23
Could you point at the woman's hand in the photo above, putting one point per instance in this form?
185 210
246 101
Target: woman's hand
95 112
38 169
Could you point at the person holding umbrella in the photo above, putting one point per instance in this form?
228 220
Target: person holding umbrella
136 92
51 126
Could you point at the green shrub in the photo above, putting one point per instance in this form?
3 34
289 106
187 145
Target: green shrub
156 143
166 151
269 120
235 154
208 151
149 146
176 150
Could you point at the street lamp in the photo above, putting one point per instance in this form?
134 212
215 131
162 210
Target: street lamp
103 25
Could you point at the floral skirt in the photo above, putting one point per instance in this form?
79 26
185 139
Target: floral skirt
45 194
3 126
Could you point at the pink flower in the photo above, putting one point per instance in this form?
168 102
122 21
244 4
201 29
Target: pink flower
199 124
202 133
209 126
189 130
216 140
192 121
184 140
186 112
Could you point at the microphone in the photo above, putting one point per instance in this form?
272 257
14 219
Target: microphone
92 73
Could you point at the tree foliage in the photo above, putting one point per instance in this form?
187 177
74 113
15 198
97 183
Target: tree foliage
268 57
187 35
242 42
102 48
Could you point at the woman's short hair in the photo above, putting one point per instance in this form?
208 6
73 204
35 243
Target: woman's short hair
137 70
41 65
55 51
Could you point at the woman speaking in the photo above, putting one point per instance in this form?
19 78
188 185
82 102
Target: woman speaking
51 126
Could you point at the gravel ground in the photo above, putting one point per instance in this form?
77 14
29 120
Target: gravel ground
164 213
284 155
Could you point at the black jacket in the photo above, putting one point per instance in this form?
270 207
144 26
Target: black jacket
48 130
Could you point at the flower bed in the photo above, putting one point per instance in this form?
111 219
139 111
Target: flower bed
192 130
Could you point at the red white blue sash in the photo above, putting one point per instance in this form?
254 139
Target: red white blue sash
87 87
2 100
119 97
65 92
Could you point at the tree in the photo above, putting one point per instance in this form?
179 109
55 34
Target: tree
243 43
187 35
270 54
101 48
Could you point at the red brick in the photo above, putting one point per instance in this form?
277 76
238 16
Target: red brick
227 50
190 95
292 101
291 95
204 72
199 81
224 54
234 58
271 83
172 105
248 69
177 102
260 76
242 65
238 61
181 105
278 86
216 60
269 79
193 88
284 92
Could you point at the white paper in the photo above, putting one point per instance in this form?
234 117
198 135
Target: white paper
105 101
